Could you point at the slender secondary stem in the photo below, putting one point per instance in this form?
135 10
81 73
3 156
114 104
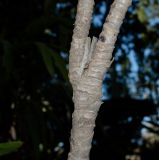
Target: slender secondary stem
79 38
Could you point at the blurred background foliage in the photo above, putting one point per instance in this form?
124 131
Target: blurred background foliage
35 94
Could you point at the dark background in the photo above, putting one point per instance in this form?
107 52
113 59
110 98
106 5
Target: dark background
36 96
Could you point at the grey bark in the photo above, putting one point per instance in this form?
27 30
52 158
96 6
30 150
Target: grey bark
88 62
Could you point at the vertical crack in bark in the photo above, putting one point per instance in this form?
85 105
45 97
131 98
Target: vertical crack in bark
80 34
88 62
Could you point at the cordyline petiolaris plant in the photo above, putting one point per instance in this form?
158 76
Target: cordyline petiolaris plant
89 60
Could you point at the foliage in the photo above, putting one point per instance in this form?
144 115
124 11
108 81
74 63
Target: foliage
134 65
8 147
35 95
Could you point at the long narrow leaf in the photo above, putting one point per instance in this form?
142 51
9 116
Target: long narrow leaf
60 64
8 147
7 57
52 59
47 58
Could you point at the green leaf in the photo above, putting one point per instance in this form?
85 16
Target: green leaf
7 57
60 64
47 57
52 59
141 14
8 147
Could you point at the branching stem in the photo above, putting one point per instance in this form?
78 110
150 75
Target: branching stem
88 62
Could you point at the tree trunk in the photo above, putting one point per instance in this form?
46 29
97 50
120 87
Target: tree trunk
88 62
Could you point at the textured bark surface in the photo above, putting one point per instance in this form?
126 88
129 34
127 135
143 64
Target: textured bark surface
88 62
